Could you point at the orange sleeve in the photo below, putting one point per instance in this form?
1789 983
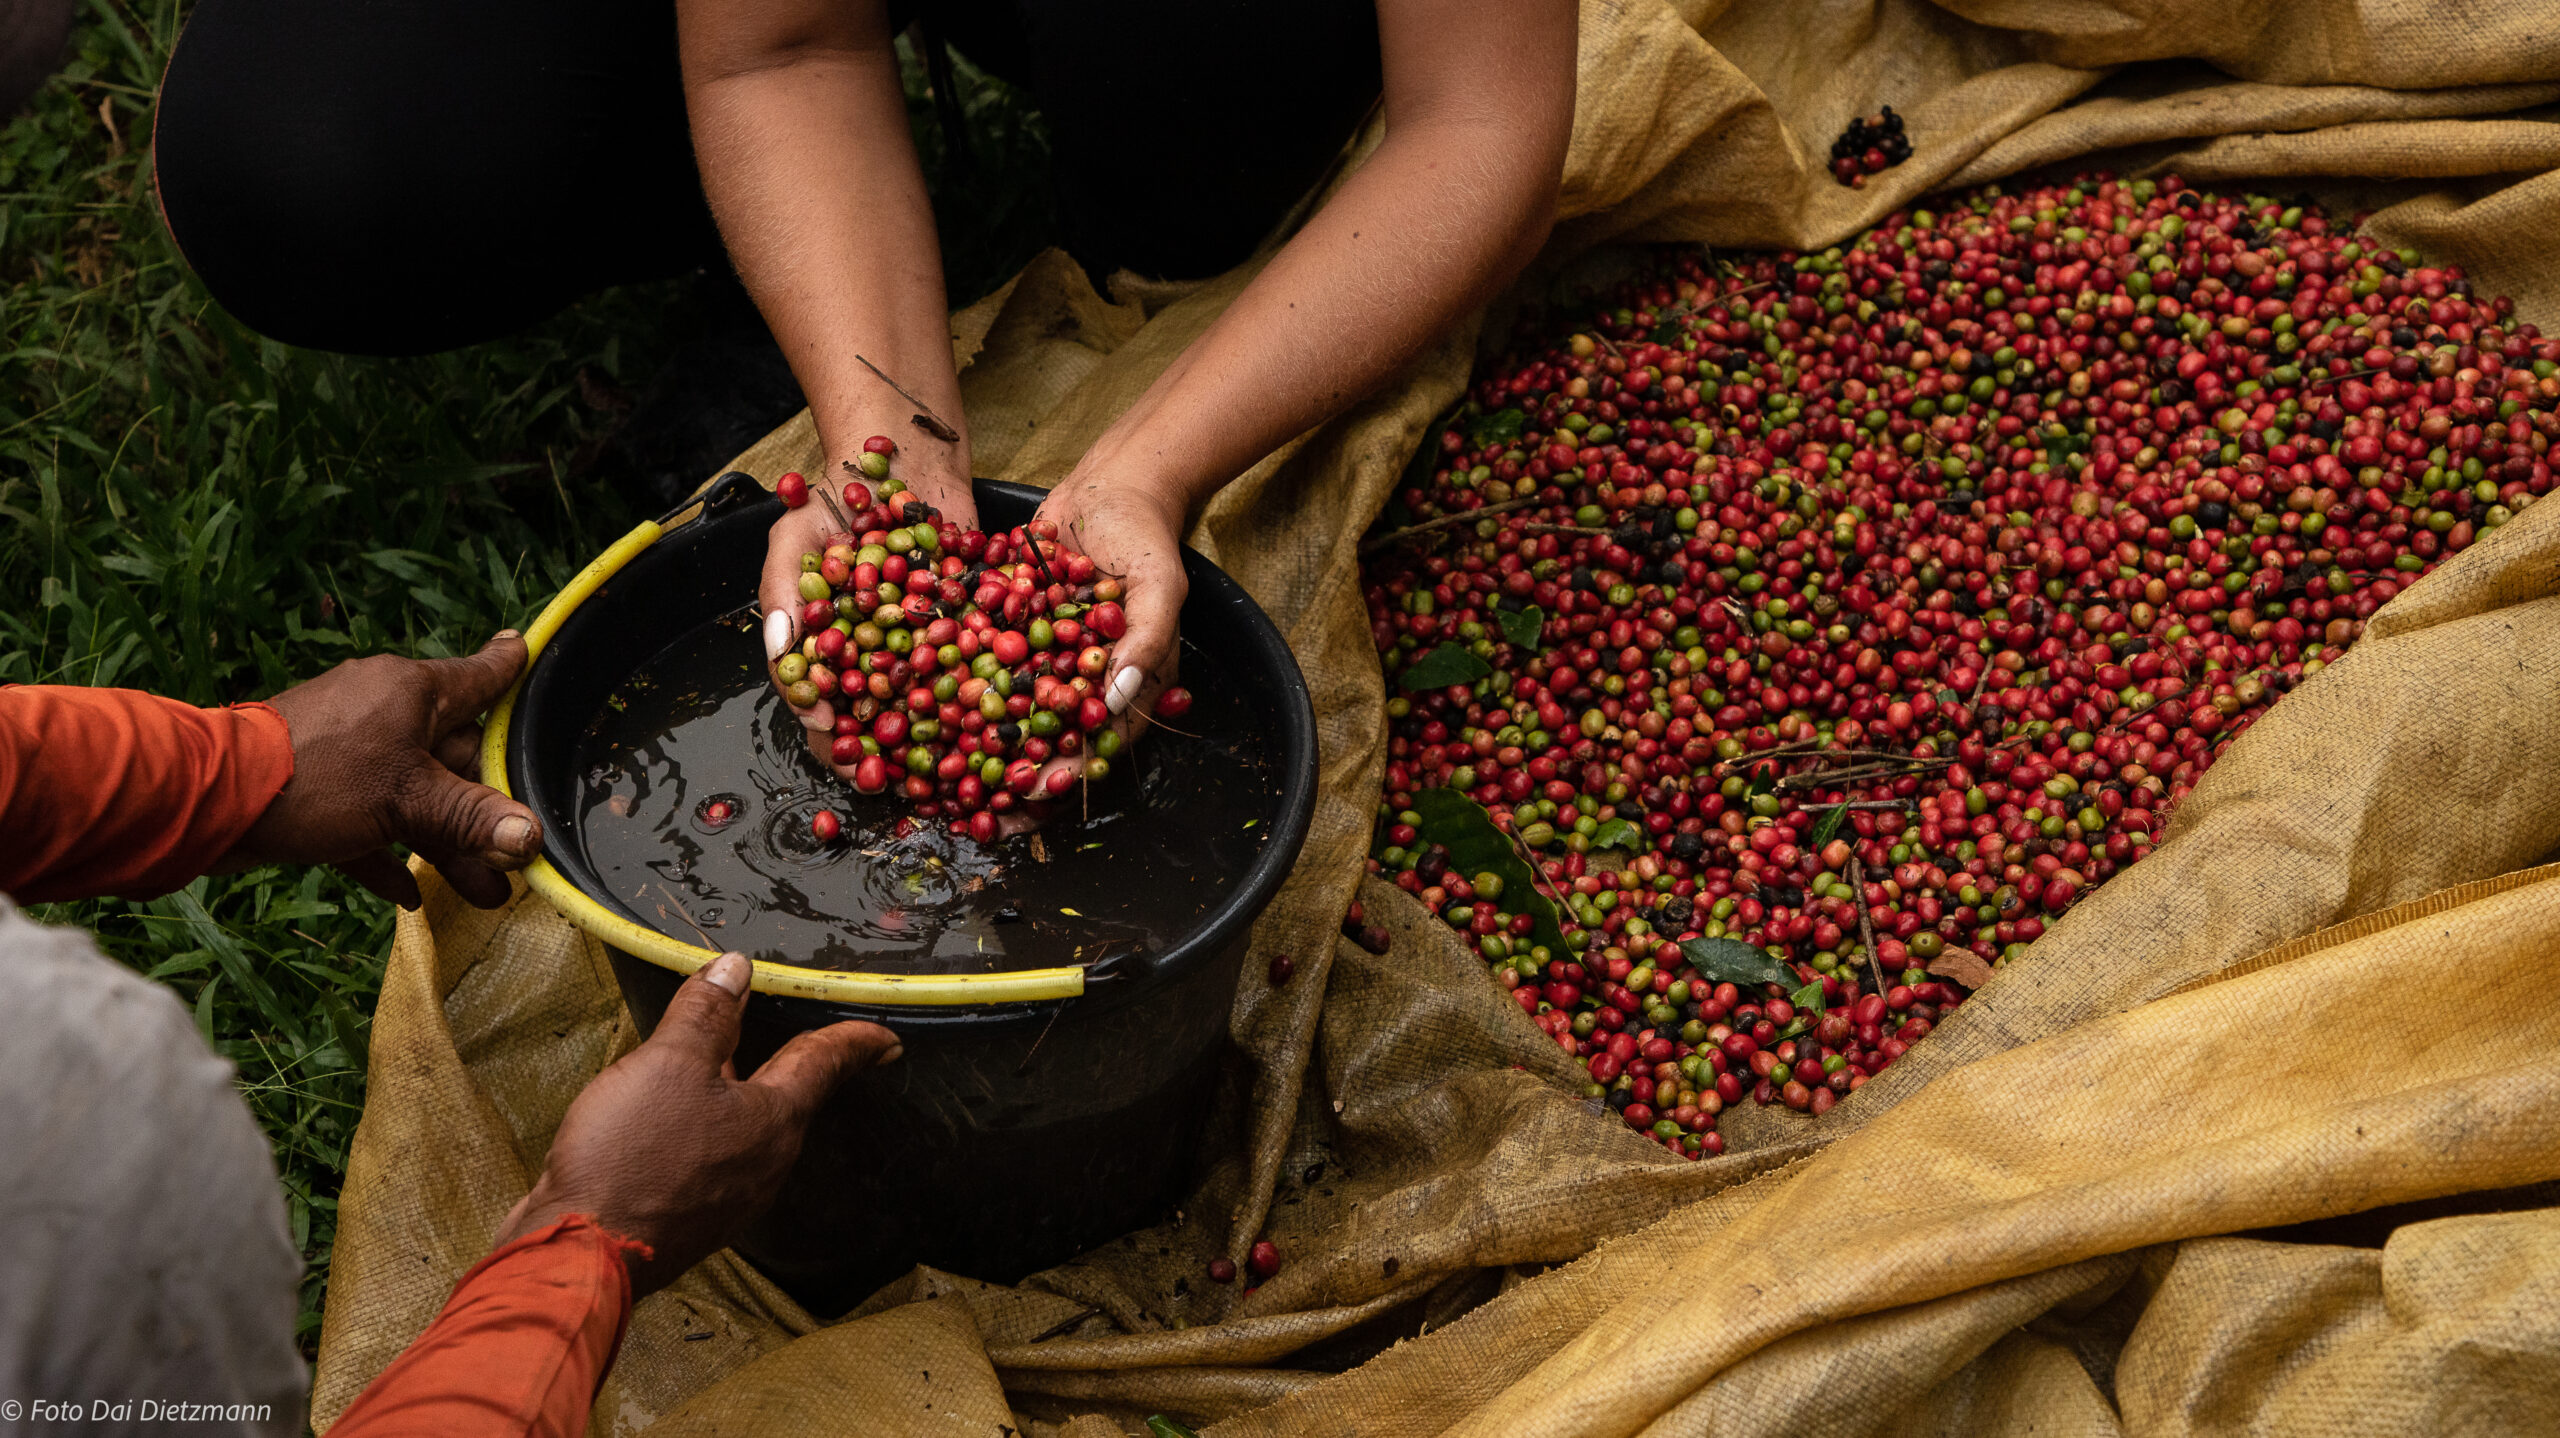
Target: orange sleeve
518 1349
111 791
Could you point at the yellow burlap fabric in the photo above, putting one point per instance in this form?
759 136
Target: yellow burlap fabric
2039 1221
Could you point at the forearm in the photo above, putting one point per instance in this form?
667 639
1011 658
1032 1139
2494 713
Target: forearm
519 1348
1429 228
110 791
807 163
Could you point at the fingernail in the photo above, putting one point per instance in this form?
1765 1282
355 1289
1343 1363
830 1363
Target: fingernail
777 635
731 973
509 634
895 1053
1124 687
514 834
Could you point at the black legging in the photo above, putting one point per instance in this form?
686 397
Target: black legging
403 176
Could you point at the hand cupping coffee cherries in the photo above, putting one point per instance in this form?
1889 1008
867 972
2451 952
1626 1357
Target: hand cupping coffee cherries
964 664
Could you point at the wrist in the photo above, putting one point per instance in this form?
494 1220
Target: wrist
268 748
940 486
546 1206
577 1225
936 470
933 470
538 1209
1143 473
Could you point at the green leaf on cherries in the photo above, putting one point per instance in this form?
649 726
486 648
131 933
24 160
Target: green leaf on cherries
1829 826
1500 427
1449 664
1159 1426
1731 961
1475 846
1618 834
1523 627
1808 999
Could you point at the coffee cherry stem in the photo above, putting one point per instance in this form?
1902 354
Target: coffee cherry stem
1866 920
1857 804
1158 721
1394 537
1867 774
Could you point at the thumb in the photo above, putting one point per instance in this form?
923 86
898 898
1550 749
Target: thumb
1144 655
810 1066
445 817
798 532
467 686
701 1021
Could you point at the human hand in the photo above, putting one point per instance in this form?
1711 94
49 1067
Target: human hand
382 751
1133 533
788 619
669 1146
1135 540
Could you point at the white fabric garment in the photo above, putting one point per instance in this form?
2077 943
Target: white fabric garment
144 1259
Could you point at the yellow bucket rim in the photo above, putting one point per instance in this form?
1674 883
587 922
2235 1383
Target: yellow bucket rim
782 980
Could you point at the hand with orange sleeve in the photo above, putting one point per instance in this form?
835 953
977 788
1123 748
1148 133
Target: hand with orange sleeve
110 791
657 1165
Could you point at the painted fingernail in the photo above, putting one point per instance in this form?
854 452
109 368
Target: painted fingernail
514 834
731 973
1124 687
777 634
895 1053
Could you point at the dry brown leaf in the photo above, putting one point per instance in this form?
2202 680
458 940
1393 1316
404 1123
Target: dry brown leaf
1964 966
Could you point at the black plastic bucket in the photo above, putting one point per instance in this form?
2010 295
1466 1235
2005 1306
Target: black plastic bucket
1013 1135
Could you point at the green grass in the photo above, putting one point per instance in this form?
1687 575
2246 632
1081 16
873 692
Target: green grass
190 509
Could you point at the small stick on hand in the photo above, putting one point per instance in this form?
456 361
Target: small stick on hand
931 423
844 521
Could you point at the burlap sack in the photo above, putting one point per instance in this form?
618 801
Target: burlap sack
2016 1228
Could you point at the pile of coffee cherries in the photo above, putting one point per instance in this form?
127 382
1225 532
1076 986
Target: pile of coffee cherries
1870 145
962 664
1867 607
